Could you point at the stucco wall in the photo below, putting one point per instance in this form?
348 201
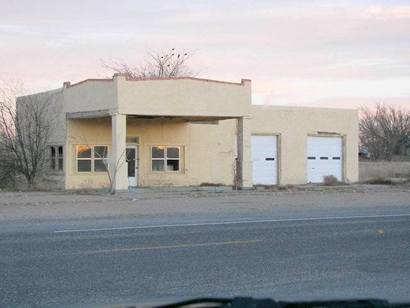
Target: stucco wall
88 132
91 95
177 97
52 101
57 118
294 124
183 97
208 151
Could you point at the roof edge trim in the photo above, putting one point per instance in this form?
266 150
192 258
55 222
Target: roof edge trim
67 84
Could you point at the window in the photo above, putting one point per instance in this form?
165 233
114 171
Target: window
100 158
165 158
92 158
56 158
60 158
83 158
53 158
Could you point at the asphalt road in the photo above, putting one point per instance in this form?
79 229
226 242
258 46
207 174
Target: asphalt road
288 259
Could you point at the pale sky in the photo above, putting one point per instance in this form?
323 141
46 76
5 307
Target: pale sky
327 53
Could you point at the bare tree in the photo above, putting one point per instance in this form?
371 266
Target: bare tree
7 172
112 167
24 133
384 131
156 65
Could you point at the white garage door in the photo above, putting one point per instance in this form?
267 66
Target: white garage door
264 160
324 158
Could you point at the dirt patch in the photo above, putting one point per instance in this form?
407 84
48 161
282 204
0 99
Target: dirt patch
38 207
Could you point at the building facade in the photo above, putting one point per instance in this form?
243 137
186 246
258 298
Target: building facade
190 132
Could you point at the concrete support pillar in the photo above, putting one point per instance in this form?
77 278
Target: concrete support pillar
244 164
118 165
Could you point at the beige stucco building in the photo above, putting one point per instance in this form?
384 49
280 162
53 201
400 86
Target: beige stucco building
191 131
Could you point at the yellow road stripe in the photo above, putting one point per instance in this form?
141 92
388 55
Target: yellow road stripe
102 251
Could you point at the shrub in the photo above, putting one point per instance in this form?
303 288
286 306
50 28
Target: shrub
205 184
330 180
380 181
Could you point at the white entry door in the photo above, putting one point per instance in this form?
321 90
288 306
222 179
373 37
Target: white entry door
324 157
132 163
264 160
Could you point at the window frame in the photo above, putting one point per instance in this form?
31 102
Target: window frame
166 158
92 158
54 160
58 157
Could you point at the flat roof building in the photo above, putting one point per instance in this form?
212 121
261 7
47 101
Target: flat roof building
192 131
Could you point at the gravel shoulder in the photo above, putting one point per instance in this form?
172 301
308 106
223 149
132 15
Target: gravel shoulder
38 206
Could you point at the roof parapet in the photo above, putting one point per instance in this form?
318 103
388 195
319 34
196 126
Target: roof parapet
119 76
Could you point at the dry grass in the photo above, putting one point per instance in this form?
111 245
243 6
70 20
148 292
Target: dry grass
380 181
371 171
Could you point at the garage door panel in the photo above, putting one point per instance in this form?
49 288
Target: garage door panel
324 158
264 160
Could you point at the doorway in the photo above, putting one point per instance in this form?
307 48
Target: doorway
132 165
